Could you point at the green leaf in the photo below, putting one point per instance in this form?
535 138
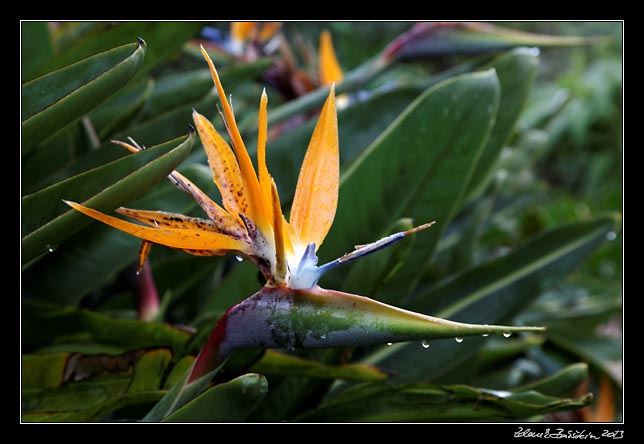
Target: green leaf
598 353
86 388
178 370
150 370
359 124
228 402
561 383
239 283
43 370
47 220
276 363
52 101
308 102
516 71
493 292
82 401
112 399
48 324
427 39
36 47
119 111
496 350
179 89
163 39
419 168
93 257
148 130
427 402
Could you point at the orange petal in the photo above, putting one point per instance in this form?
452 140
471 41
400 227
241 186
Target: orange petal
223 164
144 251
262 169
330 70
225 221
240 31
269 30
279 235
316 196
164 219
170 237
249 178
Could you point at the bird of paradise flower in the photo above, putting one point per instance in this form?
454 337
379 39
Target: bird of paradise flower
291 310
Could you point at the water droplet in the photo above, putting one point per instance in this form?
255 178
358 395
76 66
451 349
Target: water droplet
425 343
239 258
459 340
390 343
611 235
323 336
50 248
485 335
507 334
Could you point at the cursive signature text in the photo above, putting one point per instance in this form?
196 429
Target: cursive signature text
560 433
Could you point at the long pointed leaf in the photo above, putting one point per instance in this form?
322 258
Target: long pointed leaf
44 324
46 221
428 39
418 168
492 292
276 363
516 71
164 39
228 402
92 257
36 47
58 98
426 402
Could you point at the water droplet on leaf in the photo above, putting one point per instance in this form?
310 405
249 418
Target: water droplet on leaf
425 343
611 235
485 335
239 258
459 340
507 334
390 343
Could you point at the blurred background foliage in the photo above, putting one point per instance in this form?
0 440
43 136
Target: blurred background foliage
536 227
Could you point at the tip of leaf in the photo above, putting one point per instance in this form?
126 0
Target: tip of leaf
141 41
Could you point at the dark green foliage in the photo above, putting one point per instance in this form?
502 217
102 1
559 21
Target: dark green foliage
516 155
